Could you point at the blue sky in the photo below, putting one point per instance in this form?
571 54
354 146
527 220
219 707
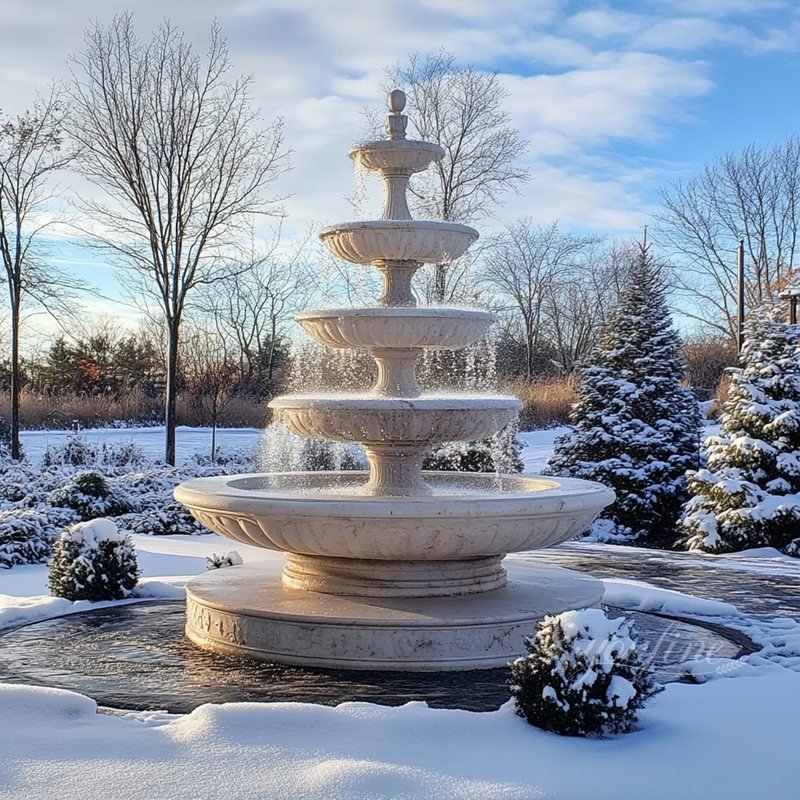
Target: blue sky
617 98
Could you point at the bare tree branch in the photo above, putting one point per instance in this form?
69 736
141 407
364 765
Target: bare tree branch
752 195
172 140
461 109
32 149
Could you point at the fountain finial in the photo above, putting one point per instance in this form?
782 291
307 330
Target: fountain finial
396 122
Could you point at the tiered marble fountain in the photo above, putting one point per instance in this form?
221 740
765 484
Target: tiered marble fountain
397 569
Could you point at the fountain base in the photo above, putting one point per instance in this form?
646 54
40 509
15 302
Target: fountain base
248 611
373 578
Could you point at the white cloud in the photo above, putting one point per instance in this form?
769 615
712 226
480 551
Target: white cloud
603 23
689 33
580 85
580 200
626 96
724 8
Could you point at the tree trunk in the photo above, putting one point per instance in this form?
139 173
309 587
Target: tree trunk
271 361
214 417
171 391
15 379
529 356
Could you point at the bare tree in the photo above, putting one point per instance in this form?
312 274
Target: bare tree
256 302
31 150
461 109
174 143
580 307
531 265
209 371
753 195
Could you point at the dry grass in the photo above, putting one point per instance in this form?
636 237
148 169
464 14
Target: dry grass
545 401
239 412
64 411
706 362
720 396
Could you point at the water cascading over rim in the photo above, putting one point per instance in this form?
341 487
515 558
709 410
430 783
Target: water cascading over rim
397 425
398 568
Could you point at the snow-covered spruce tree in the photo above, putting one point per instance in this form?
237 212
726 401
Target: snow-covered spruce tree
584 675
634 427
93 561
749 496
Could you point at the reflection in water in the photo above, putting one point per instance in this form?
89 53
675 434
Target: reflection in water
136 657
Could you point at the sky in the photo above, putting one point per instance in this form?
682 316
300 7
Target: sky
616 99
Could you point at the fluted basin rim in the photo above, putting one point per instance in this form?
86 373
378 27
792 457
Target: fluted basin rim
300 514
398 224
546 496
393 327
424 312
423 403
383 242
396 145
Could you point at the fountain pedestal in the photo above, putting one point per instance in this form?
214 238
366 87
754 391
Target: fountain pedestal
248 611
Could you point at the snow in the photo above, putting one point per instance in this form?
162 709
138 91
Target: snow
597 637
537 447
91 533
151 440
724 738
638 596
620 691
730 738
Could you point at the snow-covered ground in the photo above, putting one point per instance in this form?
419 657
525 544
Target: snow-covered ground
733 736
151 440
537 444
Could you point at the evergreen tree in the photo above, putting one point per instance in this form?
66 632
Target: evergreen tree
635 428
749 496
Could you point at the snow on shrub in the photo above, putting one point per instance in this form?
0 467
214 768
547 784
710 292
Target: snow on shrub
26 537
225 461
23 485
584 675
93 561
77 451
88 495
5 438
122 455
217 561
168 520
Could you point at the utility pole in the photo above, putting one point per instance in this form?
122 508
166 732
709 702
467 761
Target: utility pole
792 294
740 295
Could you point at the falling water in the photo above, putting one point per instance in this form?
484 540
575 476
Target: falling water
281 450
359 197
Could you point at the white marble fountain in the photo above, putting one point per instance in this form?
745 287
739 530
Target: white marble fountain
397 569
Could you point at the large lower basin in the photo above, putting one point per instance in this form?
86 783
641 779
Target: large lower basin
411 422
398 240
322 514
439 328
